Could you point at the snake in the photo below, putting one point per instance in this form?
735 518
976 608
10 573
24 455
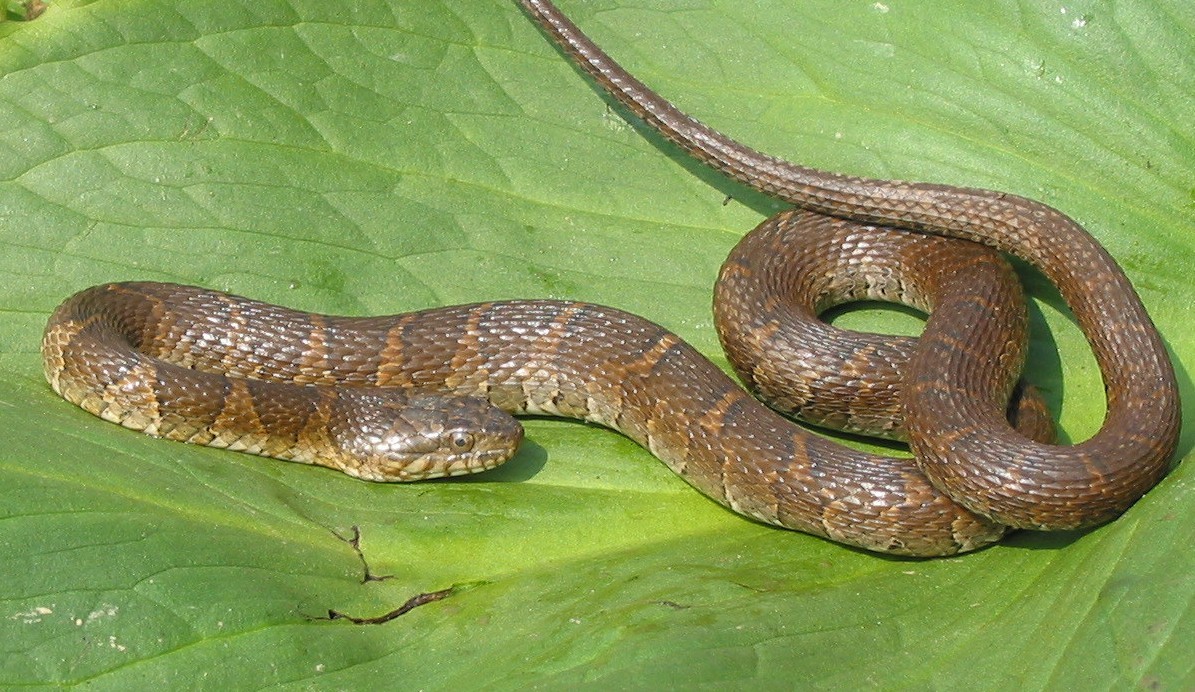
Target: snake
430 394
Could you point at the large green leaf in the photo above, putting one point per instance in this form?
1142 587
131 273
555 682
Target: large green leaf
375 157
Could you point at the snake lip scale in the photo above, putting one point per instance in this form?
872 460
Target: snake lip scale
428 394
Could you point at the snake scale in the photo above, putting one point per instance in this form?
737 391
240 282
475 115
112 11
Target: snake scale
418 395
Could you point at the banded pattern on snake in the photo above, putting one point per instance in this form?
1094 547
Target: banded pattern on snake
202 366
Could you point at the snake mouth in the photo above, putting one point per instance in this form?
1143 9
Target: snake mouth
485 460
428 467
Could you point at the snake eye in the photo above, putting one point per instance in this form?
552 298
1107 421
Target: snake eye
462 441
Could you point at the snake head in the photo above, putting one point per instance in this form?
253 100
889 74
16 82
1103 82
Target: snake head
391 435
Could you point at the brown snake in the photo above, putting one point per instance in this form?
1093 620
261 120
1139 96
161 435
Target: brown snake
202 366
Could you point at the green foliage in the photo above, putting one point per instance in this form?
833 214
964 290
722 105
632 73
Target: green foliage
376 157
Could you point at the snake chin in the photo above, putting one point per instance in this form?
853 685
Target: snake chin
393 436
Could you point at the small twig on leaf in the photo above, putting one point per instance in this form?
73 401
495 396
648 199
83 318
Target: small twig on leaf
411 604
355 543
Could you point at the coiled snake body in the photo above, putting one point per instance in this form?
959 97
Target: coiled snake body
202 366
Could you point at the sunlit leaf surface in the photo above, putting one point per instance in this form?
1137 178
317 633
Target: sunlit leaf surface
375 157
